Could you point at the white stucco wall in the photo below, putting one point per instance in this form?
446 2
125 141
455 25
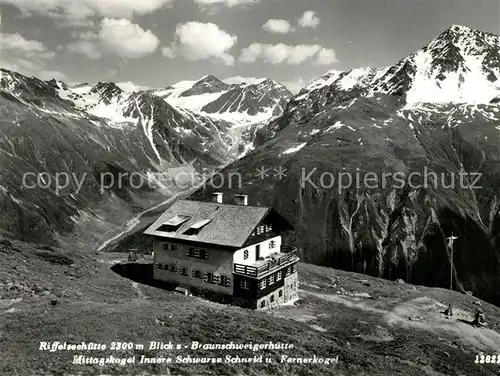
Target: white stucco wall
264 251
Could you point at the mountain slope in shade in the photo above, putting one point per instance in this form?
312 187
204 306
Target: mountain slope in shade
99 136
103 129
363 122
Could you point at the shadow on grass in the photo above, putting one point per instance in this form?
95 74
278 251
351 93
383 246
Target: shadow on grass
141 273
473 323
466 321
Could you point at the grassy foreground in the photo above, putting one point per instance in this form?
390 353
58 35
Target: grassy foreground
375 327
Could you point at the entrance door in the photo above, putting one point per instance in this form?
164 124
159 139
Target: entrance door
257 252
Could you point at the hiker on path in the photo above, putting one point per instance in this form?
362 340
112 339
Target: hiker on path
449 310
479 318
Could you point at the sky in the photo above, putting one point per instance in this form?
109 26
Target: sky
156 43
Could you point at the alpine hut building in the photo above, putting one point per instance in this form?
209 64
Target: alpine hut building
227 253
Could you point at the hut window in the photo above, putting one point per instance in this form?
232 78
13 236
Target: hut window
197 274
245 285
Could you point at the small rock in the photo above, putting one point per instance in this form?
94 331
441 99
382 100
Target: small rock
400 281
36 288
159 322
416 318
478 303
54 302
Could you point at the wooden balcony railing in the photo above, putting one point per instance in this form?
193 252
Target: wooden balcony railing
289 255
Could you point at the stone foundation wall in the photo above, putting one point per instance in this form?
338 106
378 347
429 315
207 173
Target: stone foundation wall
290 291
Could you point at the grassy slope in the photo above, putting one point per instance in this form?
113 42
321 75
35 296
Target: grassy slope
372 333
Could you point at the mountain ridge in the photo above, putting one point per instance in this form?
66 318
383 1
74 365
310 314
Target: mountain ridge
388 121
426 75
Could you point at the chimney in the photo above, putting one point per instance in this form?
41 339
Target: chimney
217 197
241 199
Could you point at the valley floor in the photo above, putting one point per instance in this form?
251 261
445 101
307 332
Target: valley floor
375 327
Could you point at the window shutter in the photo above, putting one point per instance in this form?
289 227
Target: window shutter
217 278
226 281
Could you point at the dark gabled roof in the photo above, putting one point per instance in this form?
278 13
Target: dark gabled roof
229 225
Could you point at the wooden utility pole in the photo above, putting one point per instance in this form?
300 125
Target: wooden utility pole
451 239
451 265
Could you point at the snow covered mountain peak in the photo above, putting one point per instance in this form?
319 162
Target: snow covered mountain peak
107 91
257 101
208 112
461 65
14 81
30 90
466 40
209 80
105 86
268 84
237 103
206 85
